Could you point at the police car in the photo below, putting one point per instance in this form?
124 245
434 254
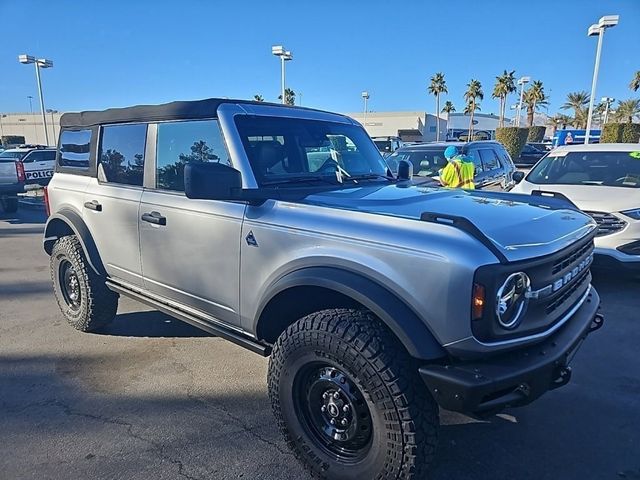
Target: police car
38 162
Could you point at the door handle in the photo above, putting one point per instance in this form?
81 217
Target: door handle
93 205
155 218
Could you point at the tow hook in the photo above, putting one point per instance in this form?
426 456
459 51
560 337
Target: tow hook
596 323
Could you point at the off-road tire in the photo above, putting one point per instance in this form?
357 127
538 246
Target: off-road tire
97 305
404 416
10 205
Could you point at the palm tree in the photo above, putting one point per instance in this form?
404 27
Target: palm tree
534 98
438 85
505 84
472 95
289 97
578 101
560 119
627 110
635 83
448 109
258 98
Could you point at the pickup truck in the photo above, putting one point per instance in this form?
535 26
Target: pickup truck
12 180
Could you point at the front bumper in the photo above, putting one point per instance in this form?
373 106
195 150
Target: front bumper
515 378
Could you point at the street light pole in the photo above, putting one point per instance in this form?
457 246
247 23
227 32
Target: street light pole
597 29
365 97
522 81
285 56
44 63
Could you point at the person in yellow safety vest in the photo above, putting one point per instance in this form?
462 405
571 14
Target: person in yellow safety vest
459 171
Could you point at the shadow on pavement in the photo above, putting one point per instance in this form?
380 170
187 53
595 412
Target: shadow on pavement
151 324
22 216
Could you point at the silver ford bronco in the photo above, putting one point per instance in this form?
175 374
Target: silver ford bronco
378 298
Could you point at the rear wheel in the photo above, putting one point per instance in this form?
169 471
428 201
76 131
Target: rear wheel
348 399
10 205
82 295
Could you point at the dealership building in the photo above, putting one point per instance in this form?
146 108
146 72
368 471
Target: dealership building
29 126
417 126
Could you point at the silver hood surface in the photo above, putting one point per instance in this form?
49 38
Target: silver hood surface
518 227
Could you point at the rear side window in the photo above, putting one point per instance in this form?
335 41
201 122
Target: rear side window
75 146
489 159
180 143
40 156
122 153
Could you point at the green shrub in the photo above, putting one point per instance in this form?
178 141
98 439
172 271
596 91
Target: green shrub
630 133
513 139
611 133
536 133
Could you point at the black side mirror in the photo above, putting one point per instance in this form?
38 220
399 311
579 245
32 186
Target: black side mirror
212 181
405 170
518 176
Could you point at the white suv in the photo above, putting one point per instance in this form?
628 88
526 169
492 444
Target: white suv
603 180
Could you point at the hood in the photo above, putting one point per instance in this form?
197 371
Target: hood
593 198
513 223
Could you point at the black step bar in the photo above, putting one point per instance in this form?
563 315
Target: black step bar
467 226
202 323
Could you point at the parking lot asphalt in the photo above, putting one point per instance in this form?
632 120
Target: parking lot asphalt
151 397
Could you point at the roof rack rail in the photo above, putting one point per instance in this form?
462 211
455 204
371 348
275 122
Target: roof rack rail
467 226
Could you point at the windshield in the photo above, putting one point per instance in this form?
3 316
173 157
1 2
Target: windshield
283 149
612 169
10 156
426 163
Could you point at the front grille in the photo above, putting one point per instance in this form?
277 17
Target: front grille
567 293
607 223
570 258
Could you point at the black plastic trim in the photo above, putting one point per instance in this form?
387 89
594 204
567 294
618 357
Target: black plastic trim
198 322
465 225
74 221
412 332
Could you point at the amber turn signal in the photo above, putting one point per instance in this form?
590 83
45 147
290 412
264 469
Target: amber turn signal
477 301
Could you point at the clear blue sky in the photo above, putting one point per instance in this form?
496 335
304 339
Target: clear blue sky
119 53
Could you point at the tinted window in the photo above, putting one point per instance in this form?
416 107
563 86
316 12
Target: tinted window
122 153
180 143
40 156
489 159
477 162
75 146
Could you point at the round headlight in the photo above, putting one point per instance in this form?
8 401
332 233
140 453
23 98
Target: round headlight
512 300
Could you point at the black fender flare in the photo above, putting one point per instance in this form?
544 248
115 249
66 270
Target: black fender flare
54 229
412 332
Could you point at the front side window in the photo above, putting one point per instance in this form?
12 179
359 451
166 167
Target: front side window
489 159
612 169
122 153
75 146
477 161
297 149
180 143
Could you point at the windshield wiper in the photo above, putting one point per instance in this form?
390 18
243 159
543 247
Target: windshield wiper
370 176
301 179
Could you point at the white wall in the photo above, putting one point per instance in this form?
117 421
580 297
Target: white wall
387 124
30 126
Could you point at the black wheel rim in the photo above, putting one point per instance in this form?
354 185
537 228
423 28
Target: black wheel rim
333 412
70 285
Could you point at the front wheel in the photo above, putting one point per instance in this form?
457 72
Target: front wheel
348 399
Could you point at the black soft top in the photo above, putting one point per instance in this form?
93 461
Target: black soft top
190 109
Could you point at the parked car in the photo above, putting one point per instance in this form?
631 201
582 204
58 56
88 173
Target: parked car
387 145
278 228
38 162
494 168
529 156
12 180
603 180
